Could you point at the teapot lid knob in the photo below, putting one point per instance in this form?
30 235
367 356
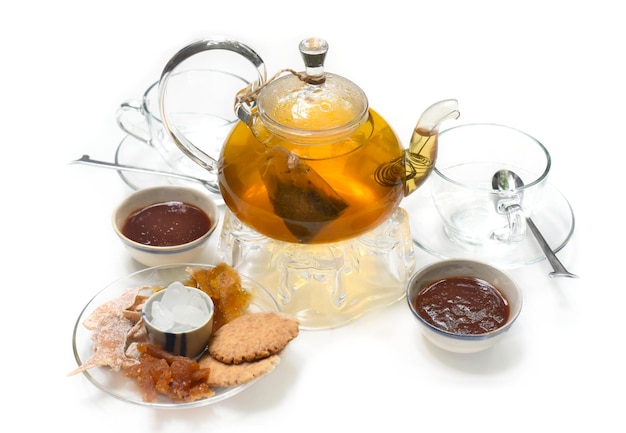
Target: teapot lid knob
313 51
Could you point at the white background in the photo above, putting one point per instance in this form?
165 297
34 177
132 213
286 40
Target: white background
553 69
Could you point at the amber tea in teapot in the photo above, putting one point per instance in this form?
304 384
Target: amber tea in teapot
311 194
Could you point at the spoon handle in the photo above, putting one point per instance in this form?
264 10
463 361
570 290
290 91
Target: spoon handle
85 159
559 269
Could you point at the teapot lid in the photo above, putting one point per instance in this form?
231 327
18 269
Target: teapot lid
313 102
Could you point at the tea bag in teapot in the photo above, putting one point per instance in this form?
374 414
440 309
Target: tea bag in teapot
299 195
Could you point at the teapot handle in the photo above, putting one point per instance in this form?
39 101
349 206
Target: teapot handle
192 151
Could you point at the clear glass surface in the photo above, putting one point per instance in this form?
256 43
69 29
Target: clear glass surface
552 214
126 389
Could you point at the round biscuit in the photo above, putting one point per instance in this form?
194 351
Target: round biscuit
227 375
252 337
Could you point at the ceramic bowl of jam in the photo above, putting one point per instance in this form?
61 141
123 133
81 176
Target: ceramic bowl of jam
165 224
463 306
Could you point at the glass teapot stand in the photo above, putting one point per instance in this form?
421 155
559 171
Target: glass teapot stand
325 285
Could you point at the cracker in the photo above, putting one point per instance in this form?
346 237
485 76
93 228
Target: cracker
252 337
225 375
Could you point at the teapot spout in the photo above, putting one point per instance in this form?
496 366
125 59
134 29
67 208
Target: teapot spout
419 158
434 115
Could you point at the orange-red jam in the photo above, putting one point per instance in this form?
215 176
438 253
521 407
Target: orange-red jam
166 224
462 305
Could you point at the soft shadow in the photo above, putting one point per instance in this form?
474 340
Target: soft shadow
270 390
503 356
265 393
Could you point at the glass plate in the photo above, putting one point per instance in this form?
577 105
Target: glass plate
127 389
132 151
553 216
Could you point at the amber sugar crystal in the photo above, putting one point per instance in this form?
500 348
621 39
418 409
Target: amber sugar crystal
177 377
223 284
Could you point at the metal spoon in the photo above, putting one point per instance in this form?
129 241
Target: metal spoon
85 159
507 180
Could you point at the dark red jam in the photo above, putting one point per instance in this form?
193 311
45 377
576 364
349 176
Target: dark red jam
166 224
462 305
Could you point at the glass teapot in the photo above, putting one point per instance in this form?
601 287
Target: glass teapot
310 162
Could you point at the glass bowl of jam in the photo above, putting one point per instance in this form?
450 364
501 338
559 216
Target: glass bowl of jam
165 224
463 306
